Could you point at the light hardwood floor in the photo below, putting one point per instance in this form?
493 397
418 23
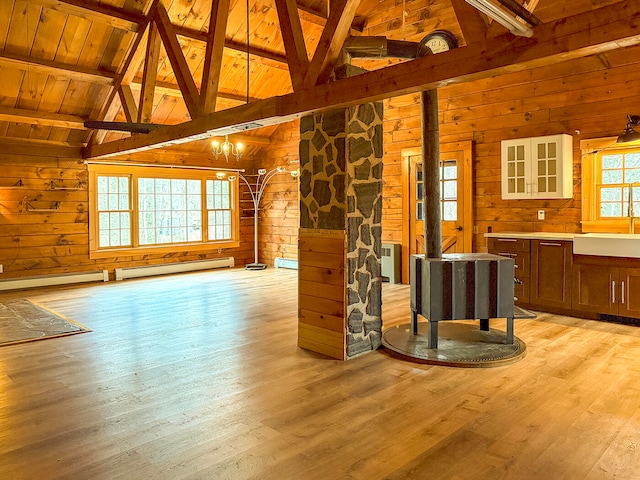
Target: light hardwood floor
198 376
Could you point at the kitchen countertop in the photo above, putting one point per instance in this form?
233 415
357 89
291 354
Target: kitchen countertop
534 235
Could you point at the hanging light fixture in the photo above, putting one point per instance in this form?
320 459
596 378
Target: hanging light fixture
226 148
629 134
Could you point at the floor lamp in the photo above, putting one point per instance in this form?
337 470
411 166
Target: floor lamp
257 190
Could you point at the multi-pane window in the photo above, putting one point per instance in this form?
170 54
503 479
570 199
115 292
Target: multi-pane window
448 191
618 184
169 211
218 209
143 207
114 211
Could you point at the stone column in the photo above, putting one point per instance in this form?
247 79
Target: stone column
341 198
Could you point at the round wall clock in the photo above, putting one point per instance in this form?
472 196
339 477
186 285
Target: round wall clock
440 41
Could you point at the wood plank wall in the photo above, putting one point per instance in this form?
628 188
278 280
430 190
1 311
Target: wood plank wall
280 214
44 243
322 292
586 98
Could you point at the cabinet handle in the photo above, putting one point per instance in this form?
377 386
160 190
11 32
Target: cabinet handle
622 292
506 239
613 292
549 244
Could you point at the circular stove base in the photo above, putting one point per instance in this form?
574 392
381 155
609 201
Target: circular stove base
459 345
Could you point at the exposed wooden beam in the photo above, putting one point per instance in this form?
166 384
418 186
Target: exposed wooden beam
128 103
50 67
135 58
330 45
473 26
293 39
145 107
109 108
520 11
318 18
530 4
265 57
96 12
179 64
589 33
132 127
173 90
43 119
213 55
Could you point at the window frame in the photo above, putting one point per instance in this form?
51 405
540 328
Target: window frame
592 150
135 173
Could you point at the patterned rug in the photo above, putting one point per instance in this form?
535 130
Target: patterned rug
26 321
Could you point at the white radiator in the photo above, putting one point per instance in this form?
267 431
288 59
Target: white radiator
51 280
179 267
282 262
391 263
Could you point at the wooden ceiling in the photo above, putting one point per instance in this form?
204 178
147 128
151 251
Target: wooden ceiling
63 62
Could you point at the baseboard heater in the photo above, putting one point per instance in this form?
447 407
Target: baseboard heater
178 267
282 262
52 280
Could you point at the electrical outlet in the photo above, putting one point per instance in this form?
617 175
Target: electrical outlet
1 268
540 214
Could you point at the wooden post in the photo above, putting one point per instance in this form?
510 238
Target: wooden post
431 174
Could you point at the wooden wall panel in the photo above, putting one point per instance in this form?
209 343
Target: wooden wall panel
586 98
322 292
45 243
280 213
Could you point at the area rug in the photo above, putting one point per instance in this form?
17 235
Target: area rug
26 321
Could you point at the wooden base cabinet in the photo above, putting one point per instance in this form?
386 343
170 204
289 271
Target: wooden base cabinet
630 292
594 288
606 290
551 262
519 250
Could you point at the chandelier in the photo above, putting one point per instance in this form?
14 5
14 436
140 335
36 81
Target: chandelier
226 148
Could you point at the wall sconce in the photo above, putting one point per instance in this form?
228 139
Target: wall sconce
629 134
226 148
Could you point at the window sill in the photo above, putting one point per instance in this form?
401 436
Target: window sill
609 226
162 249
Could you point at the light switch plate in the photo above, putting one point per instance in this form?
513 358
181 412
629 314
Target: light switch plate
540 214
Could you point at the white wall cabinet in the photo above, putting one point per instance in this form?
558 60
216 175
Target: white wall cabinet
537 167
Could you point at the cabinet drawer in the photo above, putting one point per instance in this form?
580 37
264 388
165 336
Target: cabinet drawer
521 291
498 244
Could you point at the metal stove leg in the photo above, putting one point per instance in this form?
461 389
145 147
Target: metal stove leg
414 322
432 332
510 337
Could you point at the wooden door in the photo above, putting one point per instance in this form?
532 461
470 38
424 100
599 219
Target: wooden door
551 273
592 289
456 199
451 231
630 292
